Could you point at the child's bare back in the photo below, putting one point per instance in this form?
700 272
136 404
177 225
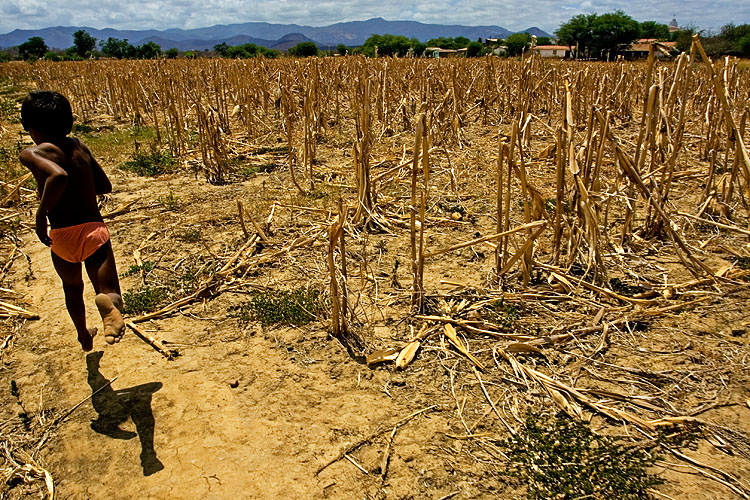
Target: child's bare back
84 180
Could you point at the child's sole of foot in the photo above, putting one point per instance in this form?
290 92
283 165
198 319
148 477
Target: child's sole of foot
114 325
87 341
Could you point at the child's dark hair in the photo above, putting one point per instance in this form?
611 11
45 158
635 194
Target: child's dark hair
48 112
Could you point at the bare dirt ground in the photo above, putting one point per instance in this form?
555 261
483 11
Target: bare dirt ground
265 412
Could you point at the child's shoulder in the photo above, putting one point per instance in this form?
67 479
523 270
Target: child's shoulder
58 152
46 150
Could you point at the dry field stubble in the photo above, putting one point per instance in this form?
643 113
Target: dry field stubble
520 238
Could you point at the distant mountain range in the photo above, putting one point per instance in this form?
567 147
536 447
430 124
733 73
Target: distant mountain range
274 36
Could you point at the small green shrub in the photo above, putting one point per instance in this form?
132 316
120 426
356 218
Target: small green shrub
250 170
11 228
142 300
271 149
170 201
150 164
562 458
295 307
82 128
505 315
146 267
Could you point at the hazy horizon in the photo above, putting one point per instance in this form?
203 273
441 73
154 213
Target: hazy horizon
188 14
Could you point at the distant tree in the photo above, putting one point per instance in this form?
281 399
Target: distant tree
172 53
119 49
33 48
83 43
474 49
222 49
5 56
739 36
461 42
304 49
543 40
245 51
442 42
52 56
744 45
613 32
269 53
342 49
388 45
71 54
652 29
149 50
684 38
419 48
731 40
517 43
576 33
189 54
599 36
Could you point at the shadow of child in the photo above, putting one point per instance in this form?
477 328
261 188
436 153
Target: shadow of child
114 407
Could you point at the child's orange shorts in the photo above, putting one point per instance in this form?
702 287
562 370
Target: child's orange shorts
78 243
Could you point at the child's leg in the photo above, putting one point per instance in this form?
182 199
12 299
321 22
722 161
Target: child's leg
70 274
102 272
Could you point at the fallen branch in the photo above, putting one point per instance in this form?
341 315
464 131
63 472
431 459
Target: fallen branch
717 224
150 340
367 439
124 208
465 244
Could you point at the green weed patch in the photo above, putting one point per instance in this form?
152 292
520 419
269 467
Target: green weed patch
295 307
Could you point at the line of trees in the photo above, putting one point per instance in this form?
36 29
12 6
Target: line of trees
591 36
122 49
84 47
605 36
732 40
400 46
244 51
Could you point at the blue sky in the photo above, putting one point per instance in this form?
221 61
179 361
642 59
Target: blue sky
511 14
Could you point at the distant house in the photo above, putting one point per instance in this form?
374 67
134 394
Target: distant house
558 51
437 52
639 49
673 26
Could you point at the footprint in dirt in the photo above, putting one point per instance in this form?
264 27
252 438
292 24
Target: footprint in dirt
114 407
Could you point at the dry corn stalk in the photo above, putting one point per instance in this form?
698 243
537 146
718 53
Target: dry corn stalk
339 306
421 147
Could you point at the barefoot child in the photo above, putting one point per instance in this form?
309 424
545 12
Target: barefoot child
68 180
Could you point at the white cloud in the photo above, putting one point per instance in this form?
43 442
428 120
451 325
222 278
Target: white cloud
510 14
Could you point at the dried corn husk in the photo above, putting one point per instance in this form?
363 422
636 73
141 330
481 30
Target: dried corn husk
407 354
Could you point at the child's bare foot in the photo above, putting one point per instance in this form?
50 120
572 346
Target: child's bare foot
87 339
114 325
